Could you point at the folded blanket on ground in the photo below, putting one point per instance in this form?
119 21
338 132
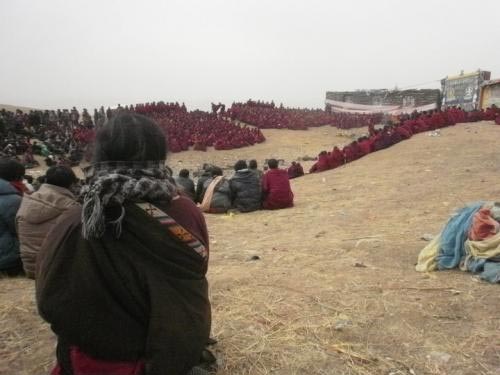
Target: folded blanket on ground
469 240
454 236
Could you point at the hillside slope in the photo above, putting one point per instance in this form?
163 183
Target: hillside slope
280 314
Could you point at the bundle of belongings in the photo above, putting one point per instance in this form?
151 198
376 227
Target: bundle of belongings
470 240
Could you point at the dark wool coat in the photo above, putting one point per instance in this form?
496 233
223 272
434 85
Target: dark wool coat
143 296
245 190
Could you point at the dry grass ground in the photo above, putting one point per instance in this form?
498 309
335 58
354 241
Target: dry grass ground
334 290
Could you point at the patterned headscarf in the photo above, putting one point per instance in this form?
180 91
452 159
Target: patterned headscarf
114 183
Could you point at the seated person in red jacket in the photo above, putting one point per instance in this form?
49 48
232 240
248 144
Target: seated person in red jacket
489 114
349 153
403 132
295 170
276 190
365 145
336 158
322 163
356 150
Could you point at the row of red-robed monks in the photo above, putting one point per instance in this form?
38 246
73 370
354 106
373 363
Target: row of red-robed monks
390 135
198 129
267 115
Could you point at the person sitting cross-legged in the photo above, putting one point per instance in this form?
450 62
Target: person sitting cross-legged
276 189
217 197
245 188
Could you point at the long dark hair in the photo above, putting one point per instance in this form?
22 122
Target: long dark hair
130 137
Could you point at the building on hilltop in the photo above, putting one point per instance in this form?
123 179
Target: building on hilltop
463 90
490 94
386 101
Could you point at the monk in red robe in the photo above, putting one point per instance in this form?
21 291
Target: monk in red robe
403 132
300 170
292 170
489 114
322 163
383 140
338 156
356 150
349 153
295 170
371 129
365 145
421 125
276 189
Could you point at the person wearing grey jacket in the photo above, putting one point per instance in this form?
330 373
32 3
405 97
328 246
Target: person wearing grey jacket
40 211
245 188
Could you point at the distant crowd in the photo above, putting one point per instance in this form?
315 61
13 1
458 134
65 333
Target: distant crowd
65 137
198 129
61 137
266 115
406 126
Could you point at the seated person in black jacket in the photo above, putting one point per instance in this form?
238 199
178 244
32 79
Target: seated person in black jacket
245 188
185 184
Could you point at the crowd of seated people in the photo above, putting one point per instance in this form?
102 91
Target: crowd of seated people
198 129
406 126
247 189
65 136
61 137
267 115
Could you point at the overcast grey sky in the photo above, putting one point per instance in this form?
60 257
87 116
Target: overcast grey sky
60 53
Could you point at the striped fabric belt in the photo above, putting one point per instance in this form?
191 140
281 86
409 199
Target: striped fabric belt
177 230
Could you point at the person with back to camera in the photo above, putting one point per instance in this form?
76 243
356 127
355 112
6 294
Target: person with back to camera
245 188
276 190
186 184
39 212
122 279
217 197
10 200
252 165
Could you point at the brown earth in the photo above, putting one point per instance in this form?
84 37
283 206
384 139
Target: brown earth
334 290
